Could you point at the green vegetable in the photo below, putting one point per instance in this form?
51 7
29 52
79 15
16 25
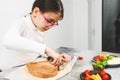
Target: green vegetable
110 57
103 62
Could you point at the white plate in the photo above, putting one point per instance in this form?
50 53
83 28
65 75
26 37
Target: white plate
23 74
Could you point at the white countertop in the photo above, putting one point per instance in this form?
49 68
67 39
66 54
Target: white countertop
84 64
81 65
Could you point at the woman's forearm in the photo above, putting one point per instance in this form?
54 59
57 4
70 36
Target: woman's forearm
13 40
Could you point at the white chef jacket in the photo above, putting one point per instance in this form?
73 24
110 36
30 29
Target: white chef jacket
23 43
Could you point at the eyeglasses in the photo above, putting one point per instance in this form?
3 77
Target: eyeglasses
48 22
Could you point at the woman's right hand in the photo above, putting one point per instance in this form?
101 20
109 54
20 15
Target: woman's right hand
56 57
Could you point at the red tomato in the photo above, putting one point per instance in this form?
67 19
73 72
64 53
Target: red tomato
87 71
87 78
105 77
80 57
102 73
98 58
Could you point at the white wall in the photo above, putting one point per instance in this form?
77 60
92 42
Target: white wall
95 24
73 29
80 24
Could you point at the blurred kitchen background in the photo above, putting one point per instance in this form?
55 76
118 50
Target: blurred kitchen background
111 32
81 27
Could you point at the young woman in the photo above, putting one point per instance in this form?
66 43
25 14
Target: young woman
25 40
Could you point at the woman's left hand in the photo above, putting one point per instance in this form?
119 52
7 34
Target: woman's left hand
65 57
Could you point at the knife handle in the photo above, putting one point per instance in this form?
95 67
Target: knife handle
49 58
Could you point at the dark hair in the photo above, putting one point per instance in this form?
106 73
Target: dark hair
49 5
